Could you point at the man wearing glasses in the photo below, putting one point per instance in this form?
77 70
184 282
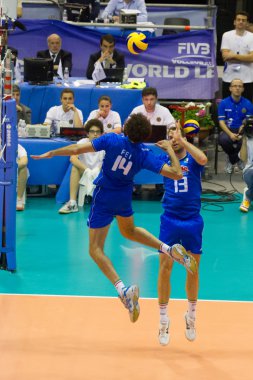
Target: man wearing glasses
86 166
232 111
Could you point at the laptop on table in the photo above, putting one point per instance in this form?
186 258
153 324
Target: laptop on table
159 132
114 75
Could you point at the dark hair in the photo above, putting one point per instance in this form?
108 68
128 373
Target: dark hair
67 91
94 123
15 88
149 91
242 13
108 38
105 97
137 128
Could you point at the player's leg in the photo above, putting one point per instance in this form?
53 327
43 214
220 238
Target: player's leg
169 232
97 238
192 240
164 287
71 205
142 236
192 288
128 295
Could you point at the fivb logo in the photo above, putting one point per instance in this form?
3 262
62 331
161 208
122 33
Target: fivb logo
192 49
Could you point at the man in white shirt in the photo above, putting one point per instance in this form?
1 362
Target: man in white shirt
66 115
85 169
154 112
157 115
114 6
237 53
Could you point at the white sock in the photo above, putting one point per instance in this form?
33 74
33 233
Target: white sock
119 285
165 248
163 312
72 202
192 309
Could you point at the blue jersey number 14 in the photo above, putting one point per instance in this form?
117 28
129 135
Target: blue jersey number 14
120 163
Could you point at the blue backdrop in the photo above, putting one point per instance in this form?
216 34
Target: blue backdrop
180 66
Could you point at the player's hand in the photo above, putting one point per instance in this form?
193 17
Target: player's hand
42 156
101 113
71 107
164 144
235 136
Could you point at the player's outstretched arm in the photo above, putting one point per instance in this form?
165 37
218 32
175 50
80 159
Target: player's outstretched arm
174 170
70 150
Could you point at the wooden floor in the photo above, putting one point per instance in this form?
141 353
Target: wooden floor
60 318
76 338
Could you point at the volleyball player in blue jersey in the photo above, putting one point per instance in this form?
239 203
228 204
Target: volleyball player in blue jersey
181 222
125 156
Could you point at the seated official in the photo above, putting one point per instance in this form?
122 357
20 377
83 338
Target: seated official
85 169
114 6
22 162
61 58
23 112
110 119
232 111
94 9
108 57
66 115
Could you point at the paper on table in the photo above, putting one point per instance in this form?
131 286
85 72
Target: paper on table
83 82
98 73
130 11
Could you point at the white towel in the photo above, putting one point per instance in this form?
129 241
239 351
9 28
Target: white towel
86 184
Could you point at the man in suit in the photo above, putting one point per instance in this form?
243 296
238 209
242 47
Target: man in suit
55 52
108 57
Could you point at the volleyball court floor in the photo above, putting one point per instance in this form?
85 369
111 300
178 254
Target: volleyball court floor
60 317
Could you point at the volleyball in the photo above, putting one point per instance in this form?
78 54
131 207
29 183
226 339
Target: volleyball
191 127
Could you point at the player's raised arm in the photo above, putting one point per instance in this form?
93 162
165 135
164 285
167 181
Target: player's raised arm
70 150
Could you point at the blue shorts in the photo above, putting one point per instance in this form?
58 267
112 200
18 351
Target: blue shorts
186 232
108 203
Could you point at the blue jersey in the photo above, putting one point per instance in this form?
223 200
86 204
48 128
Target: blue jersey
182 197
233 113
123 160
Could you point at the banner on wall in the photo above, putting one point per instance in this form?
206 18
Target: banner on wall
180 66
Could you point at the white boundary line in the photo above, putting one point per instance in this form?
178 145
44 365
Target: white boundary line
142 298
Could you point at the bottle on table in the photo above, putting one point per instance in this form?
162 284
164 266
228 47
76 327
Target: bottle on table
65 15
22 128
66 74
125 75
